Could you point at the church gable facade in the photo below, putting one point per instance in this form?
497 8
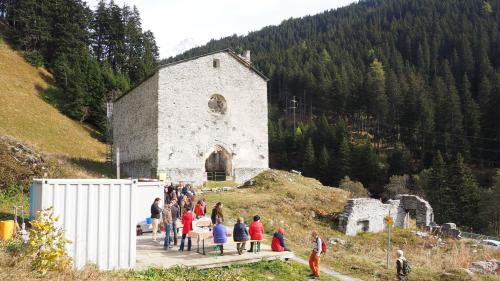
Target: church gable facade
193 120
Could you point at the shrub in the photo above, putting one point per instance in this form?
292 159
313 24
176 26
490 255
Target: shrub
356 188
397 185
34 58
47 244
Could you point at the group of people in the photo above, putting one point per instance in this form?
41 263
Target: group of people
179 200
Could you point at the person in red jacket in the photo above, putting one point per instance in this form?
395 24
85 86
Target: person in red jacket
187 222
278 243
256 231
198 210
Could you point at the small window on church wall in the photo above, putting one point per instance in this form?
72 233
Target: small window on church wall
217 104
216 63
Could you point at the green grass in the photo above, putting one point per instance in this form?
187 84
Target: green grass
273 270
13 197
220 184
26 116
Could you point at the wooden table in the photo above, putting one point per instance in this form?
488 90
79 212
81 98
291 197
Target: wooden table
202 235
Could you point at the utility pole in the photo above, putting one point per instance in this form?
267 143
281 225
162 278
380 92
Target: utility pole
388 221
118 163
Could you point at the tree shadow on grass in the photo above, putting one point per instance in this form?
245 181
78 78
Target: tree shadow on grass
95 167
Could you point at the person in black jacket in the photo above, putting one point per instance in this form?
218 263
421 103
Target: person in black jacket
240 235
176 214
155 216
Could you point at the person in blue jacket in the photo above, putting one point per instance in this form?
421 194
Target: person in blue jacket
220 235
240 235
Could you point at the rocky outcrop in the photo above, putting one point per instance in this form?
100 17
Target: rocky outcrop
18 163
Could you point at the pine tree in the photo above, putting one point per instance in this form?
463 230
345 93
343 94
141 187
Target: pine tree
472 115
309 158
463 189
324 165
342 162
436 190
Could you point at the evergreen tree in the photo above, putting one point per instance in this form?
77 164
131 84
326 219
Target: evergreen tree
309 157
342 163
437 190
324 165
472 115
489 207
464 191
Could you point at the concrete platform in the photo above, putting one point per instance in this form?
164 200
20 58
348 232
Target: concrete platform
151 254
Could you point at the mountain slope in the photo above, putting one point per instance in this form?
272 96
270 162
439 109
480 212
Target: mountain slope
28 118
422 73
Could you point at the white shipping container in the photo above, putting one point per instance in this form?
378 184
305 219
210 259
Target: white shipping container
97 215
146 193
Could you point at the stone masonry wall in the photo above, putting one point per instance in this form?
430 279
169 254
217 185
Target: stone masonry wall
188 131
135 129
365 209
368 212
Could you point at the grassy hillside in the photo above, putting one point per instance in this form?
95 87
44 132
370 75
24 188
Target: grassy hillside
27 117
69 148
301 204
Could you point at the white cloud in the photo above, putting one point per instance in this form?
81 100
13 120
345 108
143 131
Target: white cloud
173 21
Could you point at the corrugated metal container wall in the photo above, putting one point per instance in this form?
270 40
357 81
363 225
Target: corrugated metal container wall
145 194
97 215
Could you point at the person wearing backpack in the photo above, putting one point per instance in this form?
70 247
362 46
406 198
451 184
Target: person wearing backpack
315 254
402 266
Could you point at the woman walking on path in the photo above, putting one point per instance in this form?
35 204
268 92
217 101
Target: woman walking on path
315 255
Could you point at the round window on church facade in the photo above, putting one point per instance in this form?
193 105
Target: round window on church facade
217 104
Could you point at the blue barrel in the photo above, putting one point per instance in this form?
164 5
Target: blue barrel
148 220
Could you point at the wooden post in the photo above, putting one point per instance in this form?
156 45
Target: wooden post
118 163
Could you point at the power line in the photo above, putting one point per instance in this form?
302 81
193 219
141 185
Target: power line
438 132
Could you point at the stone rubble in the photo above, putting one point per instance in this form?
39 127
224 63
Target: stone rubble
485 267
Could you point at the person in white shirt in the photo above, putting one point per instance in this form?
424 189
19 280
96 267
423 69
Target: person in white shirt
315 255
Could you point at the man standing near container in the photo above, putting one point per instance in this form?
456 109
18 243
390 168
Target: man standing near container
176 214
167 221
155 216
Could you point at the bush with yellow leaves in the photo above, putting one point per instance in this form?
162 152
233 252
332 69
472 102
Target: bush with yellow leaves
47 244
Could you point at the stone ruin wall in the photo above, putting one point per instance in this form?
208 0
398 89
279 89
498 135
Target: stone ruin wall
367 214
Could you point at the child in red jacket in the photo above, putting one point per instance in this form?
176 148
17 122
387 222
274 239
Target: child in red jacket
256 231
198 210
278 243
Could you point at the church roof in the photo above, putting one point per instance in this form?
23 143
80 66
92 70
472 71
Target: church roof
228 51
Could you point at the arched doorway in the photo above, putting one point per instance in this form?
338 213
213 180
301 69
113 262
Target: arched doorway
218 164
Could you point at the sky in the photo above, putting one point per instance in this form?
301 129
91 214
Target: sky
179 25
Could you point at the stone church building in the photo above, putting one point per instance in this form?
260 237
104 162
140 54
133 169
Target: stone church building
203 117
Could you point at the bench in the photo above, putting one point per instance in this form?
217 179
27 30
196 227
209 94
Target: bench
217 247
256 249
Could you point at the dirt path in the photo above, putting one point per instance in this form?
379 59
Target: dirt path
327 271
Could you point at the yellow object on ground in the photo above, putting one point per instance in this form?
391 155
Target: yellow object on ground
6 229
